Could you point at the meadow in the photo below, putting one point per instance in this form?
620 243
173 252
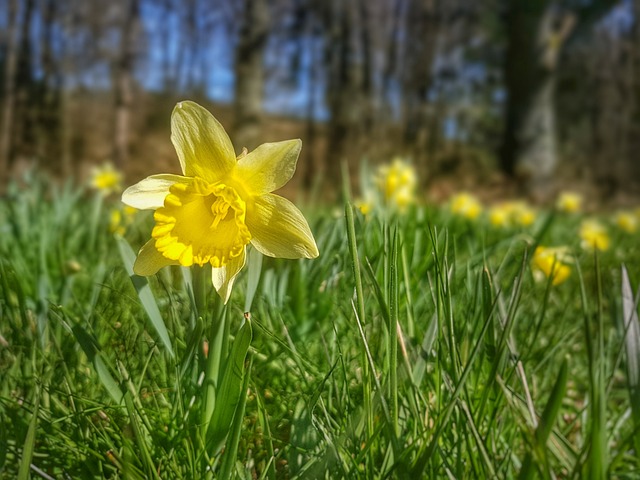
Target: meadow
421 343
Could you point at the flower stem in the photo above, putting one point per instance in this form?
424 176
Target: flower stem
218 335
199 275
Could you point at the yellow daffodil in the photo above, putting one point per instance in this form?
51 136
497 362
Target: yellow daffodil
627 221
507 213
569 202
512 213
500 215
523 214
364 205
403 198
552 262
594 236
220 204
397 182
466 205
115 222
106 179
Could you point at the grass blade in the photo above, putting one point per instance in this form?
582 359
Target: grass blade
393 330
553 405
90 347
545 426
360 311
263 418
29 441
145 454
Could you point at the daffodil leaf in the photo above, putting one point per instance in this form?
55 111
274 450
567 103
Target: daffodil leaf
145 294
631 343
231 447
228 395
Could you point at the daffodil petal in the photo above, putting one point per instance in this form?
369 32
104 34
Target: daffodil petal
223 277
149 193
150 260
203 147
269 166
279 229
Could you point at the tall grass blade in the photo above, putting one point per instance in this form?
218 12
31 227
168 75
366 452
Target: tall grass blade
263 418
29 441
547 419
360 311
487 308
419 466
597 461
393 329
594 466
145 457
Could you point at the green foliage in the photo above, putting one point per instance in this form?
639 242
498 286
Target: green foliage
420 345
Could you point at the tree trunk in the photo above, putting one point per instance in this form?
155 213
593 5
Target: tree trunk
249 72
11 60
25 103
536 34
124 81
365 108
343 89
48 108
634 102
310 171
423 25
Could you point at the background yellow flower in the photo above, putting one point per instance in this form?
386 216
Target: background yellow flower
106 179
594 236
569 202
552 262
627 221
397 182
466 205
499 215
523 214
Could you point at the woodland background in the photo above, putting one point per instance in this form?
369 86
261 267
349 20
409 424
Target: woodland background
499 95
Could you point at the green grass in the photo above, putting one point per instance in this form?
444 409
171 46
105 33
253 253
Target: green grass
421 347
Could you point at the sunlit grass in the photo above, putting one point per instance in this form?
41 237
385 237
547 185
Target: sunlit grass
420 345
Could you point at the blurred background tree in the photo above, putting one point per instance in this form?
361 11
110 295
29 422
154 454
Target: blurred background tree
500 94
